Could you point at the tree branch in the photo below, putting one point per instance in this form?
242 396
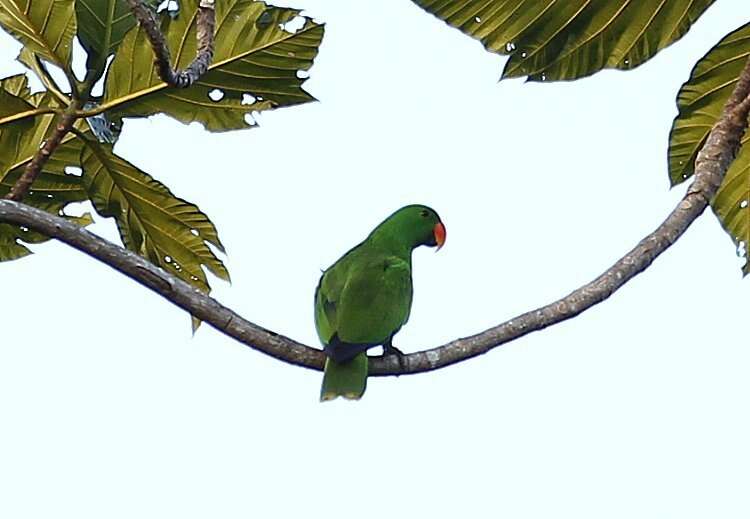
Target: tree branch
172 288
711 165
34 167
205 36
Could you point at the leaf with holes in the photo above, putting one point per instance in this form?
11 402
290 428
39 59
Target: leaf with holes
46 27
255 67
700 103
10 249
56 181
53 189
52 183
731 204
12 238
154 223
552 40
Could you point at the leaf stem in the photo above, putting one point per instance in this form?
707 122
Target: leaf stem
28 113
205 37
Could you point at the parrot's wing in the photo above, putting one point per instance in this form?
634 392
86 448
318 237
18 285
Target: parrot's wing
374 301
363 299
325 316
327 296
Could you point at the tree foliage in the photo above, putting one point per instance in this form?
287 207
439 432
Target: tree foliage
257 62
550 41
699 103
255 67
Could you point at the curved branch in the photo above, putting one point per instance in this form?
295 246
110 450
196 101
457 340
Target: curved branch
711 165
205 36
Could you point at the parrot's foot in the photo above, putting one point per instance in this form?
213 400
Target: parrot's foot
390 349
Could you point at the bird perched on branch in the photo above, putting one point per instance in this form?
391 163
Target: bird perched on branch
364 298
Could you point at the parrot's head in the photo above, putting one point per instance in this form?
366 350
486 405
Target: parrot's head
415 225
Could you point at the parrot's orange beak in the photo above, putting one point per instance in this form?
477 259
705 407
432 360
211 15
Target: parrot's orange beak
439 232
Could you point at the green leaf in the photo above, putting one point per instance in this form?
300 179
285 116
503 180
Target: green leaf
102 24
731 204
254 68
12 90
52 184
167 230
43 26
11 236
34 63
17 85
700 103
10 249
701 100
570 39
53 189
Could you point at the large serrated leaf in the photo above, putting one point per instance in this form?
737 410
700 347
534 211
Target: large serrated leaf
102 25
254 68
700 103
559 40
46 27
166 230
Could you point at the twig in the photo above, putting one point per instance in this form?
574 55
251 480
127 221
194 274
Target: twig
34 167
205 36
711 165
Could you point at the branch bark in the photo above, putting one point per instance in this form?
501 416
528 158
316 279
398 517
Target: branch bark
205 36
712 163
32 169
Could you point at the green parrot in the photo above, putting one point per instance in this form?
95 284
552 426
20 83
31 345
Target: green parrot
364 298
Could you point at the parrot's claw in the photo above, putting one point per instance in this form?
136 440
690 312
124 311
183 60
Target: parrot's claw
390 349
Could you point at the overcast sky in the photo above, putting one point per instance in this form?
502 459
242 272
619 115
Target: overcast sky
637 408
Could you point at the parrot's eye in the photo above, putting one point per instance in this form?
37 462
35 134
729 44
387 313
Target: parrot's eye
424 213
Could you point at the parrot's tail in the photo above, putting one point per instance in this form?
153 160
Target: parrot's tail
347 379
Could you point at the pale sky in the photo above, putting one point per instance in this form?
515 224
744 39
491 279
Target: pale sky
637 408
